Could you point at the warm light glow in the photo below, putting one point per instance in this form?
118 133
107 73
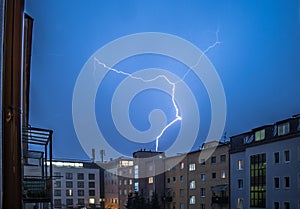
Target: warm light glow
92 201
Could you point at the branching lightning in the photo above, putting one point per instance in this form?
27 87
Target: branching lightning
173 84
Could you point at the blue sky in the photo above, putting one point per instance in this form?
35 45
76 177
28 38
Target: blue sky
257 61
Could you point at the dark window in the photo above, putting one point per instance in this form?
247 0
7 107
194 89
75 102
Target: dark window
168 180
181 192
286 205
69 175
276 157
240 183
91 176
181 178
80 176
80 192
57 202
276 205
213 175
91 192
69 202
258 180
91 184
223 158
57 192
202 162
287 182
213 159
276 182
287 156
69 184
174 179
57 184
80 201
80 184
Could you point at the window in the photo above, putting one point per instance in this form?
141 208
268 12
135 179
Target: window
276 182
181 178
174 179
192 200
192 167
80 184
181 206
213 159
80 192
240 203
57 184
125 181
181 191
91 192
80 201
182 165
57 192
223 158
287 156
260 135
91 176
240 183
213 175
202 162
168 180
276 205
57 202
276 157
283 129
223 174
240 165
69 192
130 181
69 202
202 176
91 184
69 184
286 205
258 180
202 206
287 182
125 191
192 184
57 174
136 186
80 176
202 192
150 180
69 175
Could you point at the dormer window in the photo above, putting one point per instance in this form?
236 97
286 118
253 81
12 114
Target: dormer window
260 135
283 129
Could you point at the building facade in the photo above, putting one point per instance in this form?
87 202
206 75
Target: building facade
200 180
76 184
265 166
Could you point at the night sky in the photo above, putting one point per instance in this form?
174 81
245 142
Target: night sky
257 61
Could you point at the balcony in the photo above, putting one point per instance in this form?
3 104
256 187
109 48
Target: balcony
36 189
220 200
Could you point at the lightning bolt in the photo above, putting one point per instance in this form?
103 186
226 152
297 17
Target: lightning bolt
173 84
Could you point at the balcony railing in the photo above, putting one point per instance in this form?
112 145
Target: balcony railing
220 200
36 189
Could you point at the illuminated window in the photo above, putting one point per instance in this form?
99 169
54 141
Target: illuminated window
69 192
92 201
136 186
192 167
125 182
192 200
136 171
260 135
130 181
240 164
283 129
150 180
240 203
125 191
182 165
223 174
192 184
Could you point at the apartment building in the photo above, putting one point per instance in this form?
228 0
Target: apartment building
265 166
200 180
76 184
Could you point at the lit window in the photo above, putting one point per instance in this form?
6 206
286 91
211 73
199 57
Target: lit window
192 200
192 167
213 159
69 192
125 182
283 129
192 184
240 202
202 175
136 186
136 171
150 180
276 157
240 164
260 135
276 182
92 201
130 181
287 156
202 192
182 165
223 174
125 191
287 182
240 183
